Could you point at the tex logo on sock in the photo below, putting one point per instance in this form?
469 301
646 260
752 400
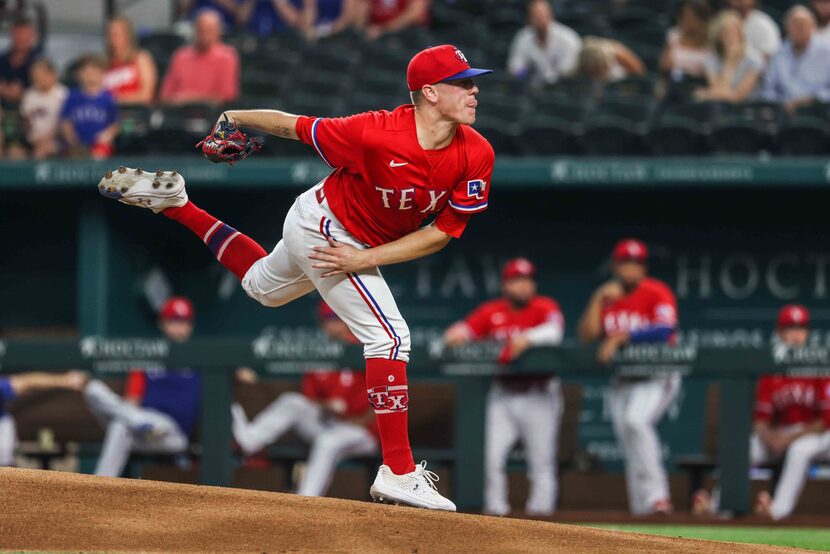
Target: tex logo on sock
389 399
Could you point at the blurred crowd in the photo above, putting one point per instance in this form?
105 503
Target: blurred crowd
726 51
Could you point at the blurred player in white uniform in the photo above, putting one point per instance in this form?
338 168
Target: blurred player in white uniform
330 414
159 409
20 384
526 408
634 308
791 424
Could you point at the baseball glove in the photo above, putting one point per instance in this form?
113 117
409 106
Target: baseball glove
226 143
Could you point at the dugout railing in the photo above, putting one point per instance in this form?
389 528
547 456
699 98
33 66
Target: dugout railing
469 369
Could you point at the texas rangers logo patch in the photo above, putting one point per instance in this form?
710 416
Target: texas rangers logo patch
386 399
475 189
460 55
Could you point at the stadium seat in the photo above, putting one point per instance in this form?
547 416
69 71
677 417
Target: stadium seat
818 110
574 87
261 82
506 20
684 89
549 136
565 108
612 136
503 134
804 136
677 136
737 136
704 113
393 60
770 115
135 126
314 82
383 83
642 85
364 102
637 109
506 107
161 45
322 105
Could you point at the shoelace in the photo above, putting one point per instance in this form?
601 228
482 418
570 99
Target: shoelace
429 476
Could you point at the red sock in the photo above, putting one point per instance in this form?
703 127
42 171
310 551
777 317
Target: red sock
389 396
235 251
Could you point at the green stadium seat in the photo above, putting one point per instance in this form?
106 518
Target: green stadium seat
637 109
737 136
818 110
804 136
135 126
613 136
549 136
677 136
642 85
503 135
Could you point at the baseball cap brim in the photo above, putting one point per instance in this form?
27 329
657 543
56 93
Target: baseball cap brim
467 73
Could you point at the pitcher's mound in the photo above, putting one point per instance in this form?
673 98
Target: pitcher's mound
52 511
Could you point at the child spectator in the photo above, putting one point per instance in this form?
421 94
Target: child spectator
131 74
41 109
89 118
687 45
733 68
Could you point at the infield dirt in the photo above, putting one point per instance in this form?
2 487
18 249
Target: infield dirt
53 511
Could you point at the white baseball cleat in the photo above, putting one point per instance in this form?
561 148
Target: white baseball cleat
415 489
155 190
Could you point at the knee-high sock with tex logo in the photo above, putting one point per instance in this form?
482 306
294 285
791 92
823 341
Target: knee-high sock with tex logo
389 396
235 251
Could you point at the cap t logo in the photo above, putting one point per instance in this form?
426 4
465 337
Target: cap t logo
460 55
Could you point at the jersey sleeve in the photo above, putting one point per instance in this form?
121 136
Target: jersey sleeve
479 322
452 222
665 309
136 385
824 402
763 401
337 140
471 195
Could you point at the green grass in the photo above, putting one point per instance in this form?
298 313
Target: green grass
799 537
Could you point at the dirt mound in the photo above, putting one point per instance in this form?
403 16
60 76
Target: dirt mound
42 510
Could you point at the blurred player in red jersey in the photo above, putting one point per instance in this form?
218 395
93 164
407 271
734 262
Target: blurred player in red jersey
331 414
519 407
159 408
791 422
391 172
635 308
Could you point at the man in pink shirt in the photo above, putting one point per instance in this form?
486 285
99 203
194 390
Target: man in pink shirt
207 71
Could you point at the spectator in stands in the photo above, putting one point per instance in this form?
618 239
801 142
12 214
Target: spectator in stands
687 46
311 18
791 425
15 64
760 29
607 60
159 409
821 10
207 71
131 74
733 69
331 414
799 73
545 50
383 17
230 11
41 109
89 117
21 384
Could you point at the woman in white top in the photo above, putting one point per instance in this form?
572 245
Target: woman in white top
687 45
732 70
607 60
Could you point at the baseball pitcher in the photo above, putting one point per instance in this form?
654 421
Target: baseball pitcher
330 414
634 308
525 408
159 409
391 172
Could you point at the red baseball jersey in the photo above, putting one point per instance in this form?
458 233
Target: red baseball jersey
651 303
384 185
346 385
498 320
824 401
783 400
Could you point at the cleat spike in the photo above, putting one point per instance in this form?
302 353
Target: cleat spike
156 184
100 186
122 169
108 175
159 173
138 171
123 189
169 185
173 173
111 189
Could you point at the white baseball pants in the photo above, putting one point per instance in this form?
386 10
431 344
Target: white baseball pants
636 408
362 300
8 440
331 440
130 427
534 417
